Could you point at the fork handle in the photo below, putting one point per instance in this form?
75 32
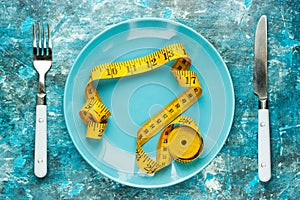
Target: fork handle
40 149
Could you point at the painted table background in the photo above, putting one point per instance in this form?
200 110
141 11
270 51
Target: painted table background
229 25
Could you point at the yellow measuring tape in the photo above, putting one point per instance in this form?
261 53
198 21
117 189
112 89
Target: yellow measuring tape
181 138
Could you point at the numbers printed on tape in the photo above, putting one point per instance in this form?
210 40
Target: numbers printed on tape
180 138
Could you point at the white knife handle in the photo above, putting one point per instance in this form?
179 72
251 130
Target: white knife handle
40 149
264 153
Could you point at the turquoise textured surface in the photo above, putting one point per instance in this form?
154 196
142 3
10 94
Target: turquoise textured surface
228 25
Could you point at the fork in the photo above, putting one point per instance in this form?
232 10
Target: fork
42 61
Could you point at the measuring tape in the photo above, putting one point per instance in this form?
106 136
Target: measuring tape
180 139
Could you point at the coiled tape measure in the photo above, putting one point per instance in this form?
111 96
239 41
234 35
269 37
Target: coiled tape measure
180 139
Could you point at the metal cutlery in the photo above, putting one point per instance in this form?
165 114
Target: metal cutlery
260 82
42 61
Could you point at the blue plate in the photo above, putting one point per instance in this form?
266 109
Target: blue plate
133 100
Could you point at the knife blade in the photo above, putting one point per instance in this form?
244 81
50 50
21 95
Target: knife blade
260 83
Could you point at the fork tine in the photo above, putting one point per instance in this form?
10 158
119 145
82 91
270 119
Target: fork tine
39 39
44 38
49 37
34 36
49 40
34 40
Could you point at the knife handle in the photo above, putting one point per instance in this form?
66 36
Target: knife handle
40 149
264 152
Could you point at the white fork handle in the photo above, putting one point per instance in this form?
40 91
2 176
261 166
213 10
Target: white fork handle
40 149
264 152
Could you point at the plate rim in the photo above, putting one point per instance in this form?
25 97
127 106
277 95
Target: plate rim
168 21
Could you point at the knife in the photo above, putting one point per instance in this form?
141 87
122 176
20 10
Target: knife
260 82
